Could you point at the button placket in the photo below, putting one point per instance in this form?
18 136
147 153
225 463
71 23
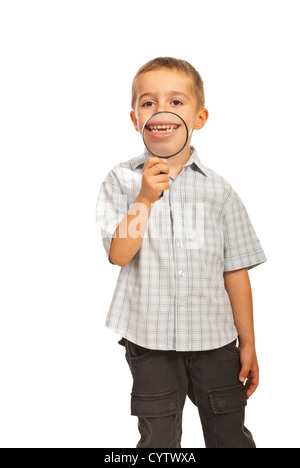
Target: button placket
181 319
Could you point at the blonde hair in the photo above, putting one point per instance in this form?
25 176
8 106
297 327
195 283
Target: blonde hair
175 64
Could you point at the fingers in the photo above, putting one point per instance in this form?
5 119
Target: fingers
252 374
244 372
154 160
162 178
158 168
155 178
155 165
252 382
250 388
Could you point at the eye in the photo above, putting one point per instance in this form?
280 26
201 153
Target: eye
148 104
176 102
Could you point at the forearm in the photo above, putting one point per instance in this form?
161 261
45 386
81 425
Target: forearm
238 287
129 233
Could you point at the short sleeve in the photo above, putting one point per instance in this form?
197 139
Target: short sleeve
242 247
111 209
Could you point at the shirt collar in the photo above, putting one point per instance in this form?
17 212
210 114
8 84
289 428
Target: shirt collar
193 161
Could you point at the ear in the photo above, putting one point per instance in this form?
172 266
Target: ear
201 119
134 120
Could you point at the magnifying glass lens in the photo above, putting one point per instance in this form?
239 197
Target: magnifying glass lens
165 134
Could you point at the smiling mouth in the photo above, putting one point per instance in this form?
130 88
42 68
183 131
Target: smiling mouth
162 128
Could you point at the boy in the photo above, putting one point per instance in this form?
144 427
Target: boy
181 300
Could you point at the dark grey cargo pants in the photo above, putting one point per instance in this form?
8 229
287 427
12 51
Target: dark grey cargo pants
161 381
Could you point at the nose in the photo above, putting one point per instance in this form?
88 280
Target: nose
161 108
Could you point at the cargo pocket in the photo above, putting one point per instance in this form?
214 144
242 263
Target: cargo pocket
228 407
228 399
160 419
155 404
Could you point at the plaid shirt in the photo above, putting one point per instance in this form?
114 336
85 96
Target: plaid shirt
171 295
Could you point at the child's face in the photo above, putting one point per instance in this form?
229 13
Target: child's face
167 90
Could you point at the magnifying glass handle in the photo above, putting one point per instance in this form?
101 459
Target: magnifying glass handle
162 193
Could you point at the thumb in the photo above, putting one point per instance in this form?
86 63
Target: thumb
244 372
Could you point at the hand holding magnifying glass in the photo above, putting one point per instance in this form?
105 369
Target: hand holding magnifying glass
165 134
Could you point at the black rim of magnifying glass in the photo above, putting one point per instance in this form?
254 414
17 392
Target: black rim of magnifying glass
187 134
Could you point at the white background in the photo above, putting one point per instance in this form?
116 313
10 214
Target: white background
65 83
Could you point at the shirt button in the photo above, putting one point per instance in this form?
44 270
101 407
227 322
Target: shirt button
181 303
181 273
179 244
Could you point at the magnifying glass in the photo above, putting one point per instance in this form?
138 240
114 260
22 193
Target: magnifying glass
165 135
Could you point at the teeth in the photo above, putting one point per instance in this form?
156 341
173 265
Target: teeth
163 128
